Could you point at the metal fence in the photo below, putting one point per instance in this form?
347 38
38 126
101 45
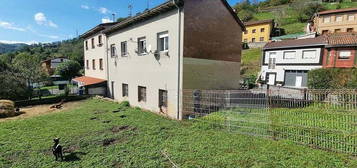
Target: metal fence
325 119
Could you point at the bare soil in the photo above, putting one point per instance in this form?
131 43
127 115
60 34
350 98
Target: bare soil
31 111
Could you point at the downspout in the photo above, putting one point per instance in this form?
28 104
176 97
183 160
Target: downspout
106 52
179 60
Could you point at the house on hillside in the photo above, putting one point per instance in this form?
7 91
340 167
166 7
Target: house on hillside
49 66
258 33
286 63
153 56
335 21
340 51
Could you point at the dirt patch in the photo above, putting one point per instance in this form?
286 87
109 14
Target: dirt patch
31 111
117 129
100 111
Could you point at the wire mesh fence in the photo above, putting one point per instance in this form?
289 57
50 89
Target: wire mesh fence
325 119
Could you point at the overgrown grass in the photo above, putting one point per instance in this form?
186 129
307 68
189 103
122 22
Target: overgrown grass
251 61
94 136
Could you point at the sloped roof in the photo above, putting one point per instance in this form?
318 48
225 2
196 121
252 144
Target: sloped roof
337 11
86 80
318 41
258 22
342 39
97 28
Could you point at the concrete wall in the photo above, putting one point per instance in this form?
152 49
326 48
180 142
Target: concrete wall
99 52
147 70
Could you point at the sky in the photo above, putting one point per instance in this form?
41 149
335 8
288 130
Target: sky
33 21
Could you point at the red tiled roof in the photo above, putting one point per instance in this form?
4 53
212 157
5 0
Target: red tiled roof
86 80
258 22
337 11
321 40
344 38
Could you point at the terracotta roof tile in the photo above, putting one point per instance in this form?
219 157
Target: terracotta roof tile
321 40
344 38
86 80
337 11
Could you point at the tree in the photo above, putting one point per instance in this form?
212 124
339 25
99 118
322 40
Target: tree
121 19
68 70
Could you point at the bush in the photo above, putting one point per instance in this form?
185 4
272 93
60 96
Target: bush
333 78
7 108
124 106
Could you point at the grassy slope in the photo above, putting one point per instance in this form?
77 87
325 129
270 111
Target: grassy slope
25 143
251 61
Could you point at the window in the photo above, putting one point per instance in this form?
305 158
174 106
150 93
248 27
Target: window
101 64
337 30
289 54
163 41
272 60
100 40
344 54
324 32
125 90
87 64
327 19
86 45
261 38
309 54
254 30
113 50
142 45
124 49
162 98
350 30
339 18
262 30
93 64
351 17
246 40
253 40
93 43
141 94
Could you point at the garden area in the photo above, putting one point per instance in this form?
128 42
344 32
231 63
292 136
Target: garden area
99 133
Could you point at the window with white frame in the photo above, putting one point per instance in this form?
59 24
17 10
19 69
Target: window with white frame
142 45
309 54
163 41
339 18
124 48
351 17
289 54
327 19
113 50
272 60
344 54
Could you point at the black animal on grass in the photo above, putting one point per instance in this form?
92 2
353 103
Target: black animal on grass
57 149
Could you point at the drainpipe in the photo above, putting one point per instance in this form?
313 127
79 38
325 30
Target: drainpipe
179 59
106 52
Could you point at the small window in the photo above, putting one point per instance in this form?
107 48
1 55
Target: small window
162 98
339 18
289 54
350 30
93 43
262 30
124 49
141 94
87 64
351 17
253 40
337 30
163 41
113 50
86 45
254 30
272 60
100 39
327 19
324 32
309 54
125 90
142 45
344 54
93 64
261 38
101 64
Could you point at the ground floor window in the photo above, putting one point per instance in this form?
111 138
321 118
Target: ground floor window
296 78
141 94
162 98
125 88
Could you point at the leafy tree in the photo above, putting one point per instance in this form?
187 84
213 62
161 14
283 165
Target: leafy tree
245 15
68 70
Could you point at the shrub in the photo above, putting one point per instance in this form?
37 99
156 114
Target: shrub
333 78
124 105
7 108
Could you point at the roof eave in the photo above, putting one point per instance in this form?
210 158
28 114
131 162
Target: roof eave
296 46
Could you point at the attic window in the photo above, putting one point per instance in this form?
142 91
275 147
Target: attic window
86 45
93 45
100 40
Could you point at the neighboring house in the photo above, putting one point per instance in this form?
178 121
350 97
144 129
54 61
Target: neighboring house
340 52
258 31
334 21
91 86
286 63
155 55
50 65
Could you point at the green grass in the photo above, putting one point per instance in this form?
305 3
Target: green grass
26 143
342 5
251 61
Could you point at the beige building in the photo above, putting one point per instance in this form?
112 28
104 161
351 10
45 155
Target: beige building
152 57
339 20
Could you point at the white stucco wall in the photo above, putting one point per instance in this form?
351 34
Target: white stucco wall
99 52
146 70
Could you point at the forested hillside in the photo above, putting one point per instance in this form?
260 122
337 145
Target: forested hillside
5 48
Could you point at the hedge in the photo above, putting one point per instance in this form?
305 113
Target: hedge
51 100
333 78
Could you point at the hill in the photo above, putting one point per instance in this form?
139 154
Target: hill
5 48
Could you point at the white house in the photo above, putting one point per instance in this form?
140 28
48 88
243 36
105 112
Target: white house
286 63
153 56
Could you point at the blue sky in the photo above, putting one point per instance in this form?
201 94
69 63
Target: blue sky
53 20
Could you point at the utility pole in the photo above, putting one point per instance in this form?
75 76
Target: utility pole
130 7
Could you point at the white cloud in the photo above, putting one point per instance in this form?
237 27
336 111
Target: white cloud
41 19
7 25
103 10
41 34
17 42
85 7
106 20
